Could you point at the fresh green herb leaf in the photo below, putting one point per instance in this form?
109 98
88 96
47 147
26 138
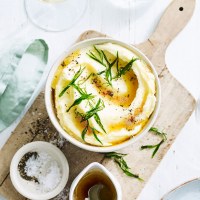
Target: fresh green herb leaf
114 61
162 134
118 158
128 173
114 154
80 90
154 129
76 76
101 72
109 72
94 57
85 96
84 132
117 62
120 162
95 135
99 52
93 132
93 112
98 121
148 147
88 77
128 66
98 107
103 60
156 146
80 99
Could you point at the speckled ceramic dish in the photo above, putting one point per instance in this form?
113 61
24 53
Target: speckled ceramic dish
187 191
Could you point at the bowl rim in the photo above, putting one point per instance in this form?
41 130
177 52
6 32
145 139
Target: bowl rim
49 104
179 187
40 146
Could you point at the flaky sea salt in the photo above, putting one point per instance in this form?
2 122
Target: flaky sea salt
45 170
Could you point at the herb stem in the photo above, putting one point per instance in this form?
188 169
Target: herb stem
119 159
80 99
76 76
156 146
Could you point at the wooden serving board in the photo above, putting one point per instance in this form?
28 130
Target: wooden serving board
176 107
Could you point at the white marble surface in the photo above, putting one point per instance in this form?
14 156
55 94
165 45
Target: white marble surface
131 21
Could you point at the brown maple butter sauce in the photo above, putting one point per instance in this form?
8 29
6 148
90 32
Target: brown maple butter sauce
92 178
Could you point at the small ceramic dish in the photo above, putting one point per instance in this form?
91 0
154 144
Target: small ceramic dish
50 104
100 167
26 188
187 191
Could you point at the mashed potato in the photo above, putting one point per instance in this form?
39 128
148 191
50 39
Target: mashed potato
104 94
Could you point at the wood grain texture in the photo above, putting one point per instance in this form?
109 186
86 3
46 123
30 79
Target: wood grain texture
176 107
172 22
7 190
22 135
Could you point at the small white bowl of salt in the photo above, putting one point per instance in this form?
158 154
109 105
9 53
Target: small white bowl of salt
39 171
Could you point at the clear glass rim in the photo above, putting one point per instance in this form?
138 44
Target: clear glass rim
49 29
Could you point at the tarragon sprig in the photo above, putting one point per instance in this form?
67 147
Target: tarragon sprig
157 132
81 82
84 131
108 71
76 76
83 97
93 112
103 60
98 121
156 146
126 68
95 135
119 159
93 132
90 113
98 58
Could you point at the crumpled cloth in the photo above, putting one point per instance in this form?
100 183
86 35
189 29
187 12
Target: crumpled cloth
20 72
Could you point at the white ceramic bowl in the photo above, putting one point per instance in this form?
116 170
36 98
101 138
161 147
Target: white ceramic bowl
24 187
50 108
98 166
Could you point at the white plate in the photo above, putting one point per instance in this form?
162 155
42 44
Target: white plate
187 191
